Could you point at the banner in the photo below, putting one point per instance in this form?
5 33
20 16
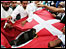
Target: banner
47 28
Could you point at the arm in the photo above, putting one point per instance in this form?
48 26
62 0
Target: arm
53 9
54 43
30 13
15 12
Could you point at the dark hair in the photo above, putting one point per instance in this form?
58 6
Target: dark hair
60 5
21 1
55 1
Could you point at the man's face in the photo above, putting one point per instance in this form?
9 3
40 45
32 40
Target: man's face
24 4
7 4
14 3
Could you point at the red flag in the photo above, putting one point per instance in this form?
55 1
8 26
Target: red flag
4 42
10 34
47 28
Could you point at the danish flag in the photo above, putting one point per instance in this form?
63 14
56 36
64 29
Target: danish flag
47 28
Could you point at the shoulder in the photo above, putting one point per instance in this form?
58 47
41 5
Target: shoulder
10 9
18 6
1 7
30 4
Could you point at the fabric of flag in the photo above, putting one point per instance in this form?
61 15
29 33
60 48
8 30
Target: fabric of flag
47 28
4 41
10 34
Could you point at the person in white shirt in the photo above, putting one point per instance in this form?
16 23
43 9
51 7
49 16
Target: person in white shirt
14 4
25 10
5 9
20 9
31 8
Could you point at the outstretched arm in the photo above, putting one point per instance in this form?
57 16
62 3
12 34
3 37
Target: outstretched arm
53 9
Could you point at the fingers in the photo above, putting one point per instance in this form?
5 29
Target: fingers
40 5
54 15
9 26
9 18
54 43
63 30
23 23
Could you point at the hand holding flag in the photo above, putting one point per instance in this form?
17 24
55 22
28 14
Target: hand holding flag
9 26
63 30
23 23
9 18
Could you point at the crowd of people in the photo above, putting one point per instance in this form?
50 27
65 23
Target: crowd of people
16 10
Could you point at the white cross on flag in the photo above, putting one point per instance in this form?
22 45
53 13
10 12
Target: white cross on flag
47 28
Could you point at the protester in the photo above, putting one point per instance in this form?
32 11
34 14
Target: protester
6 11
62 38
14 4
21 9
31 8
54 9
58 15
